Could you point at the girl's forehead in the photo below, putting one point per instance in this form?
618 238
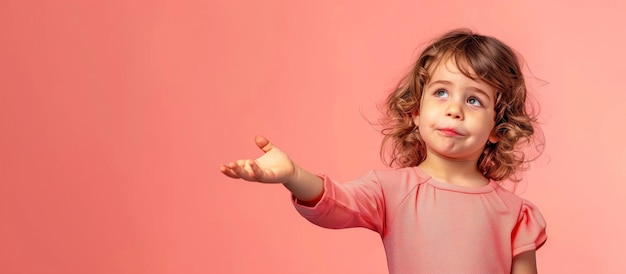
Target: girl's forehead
450 63
450 67
458 73
454 63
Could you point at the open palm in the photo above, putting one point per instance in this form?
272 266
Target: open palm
274 166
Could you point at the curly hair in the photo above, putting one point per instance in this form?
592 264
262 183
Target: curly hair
493 62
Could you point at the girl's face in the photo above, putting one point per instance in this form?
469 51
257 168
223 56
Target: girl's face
456 114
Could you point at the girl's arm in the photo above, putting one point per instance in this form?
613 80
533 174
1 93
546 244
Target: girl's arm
275 166
524 263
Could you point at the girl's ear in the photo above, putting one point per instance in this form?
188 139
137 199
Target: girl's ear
416 118
492 137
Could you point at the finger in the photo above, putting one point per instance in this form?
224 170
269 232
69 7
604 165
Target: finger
243 170
250 171
263 143
261 174
229 172
238 170
235 167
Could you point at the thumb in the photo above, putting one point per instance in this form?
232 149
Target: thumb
263 143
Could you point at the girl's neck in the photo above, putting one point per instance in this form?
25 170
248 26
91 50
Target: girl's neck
462 173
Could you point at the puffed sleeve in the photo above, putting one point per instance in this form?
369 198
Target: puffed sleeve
530 230
357 203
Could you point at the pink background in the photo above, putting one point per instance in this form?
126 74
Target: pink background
114 117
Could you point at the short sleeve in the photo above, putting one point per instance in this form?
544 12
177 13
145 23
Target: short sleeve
530 230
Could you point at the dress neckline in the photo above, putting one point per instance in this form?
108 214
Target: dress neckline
489 187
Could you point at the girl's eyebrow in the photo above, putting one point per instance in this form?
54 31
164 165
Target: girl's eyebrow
445 82
481 92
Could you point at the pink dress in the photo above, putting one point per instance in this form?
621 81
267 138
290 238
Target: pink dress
429 226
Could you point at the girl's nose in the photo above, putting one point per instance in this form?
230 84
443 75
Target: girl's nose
454 111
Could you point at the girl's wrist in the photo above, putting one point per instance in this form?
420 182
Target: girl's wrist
290 180
304 185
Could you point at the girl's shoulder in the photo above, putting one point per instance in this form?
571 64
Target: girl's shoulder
407 175
509 194
521 205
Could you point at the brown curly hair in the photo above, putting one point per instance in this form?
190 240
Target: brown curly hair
493 62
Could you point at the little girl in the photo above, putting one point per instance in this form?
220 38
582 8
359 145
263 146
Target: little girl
454 127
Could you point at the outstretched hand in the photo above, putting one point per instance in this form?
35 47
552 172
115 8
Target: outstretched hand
274 166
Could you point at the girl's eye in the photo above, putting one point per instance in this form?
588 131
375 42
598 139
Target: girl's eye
474 102
441 93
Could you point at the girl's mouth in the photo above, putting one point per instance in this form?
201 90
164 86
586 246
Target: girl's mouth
449 132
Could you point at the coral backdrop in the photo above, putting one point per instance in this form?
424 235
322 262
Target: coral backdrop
115 115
